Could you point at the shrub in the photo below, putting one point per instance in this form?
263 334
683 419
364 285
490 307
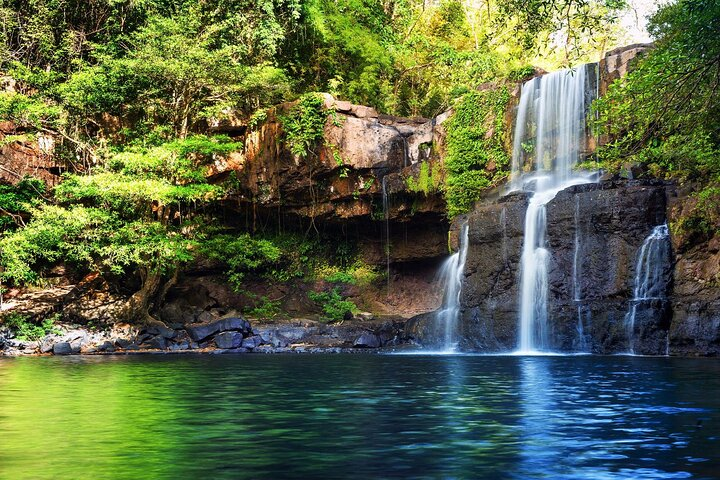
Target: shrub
304 124
264 308
334 306
476 156
25 330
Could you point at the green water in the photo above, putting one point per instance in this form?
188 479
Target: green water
358 416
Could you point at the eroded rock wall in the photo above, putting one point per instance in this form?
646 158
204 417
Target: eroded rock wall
350 185
613 219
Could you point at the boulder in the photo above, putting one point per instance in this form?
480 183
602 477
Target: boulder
161 329
156 343
106 346
62 348
252 342
203 331
46 345
229 340
367 340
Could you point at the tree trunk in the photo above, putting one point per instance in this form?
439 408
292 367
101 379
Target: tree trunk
152 292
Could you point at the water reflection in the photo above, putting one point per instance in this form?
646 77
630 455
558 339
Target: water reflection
358 416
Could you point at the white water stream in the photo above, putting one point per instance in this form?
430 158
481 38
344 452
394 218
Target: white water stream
549 139
650 283
451 274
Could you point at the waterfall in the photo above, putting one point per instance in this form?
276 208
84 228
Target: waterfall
386 214
650 282
451 274
549 137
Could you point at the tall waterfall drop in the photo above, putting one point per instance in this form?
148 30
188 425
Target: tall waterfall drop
650 282
549 140
451 274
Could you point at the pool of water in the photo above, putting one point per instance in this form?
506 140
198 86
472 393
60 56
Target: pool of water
359 416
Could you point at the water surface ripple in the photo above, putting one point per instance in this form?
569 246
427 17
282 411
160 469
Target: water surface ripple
359 416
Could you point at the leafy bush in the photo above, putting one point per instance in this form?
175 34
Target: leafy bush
521 73
27 111
241 254
25 330
340 277
333 304
476 155
427 181
264 308
17 200
304 124
91 239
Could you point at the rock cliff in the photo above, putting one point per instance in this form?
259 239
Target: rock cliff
595 233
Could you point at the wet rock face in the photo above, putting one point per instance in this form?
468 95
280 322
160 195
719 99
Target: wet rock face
24 156
365 158
696 300
612 220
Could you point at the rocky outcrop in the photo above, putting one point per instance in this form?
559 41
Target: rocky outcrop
24 155
612 220
231 334
619 62
353 183
595 233
696 294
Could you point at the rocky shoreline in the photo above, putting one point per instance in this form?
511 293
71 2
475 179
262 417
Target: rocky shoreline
230 334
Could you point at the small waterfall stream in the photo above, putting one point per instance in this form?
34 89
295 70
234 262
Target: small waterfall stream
549 132
650 282
451 275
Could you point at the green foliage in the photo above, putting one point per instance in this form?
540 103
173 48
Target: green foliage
333 305
522 73
257 118
476 156
665 113
90 239
704 217
137 179
127 194
427 180
25 330
304 124
16 200
241 254
340 277
264 308
28 111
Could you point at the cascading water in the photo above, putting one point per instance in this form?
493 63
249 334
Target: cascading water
650 281
549 135
451 274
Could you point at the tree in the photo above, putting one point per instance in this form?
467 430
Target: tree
666 113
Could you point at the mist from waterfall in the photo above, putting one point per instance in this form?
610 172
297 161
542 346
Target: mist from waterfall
451 275
650 283
549 140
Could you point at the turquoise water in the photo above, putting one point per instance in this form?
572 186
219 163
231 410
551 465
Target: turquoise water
359 416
